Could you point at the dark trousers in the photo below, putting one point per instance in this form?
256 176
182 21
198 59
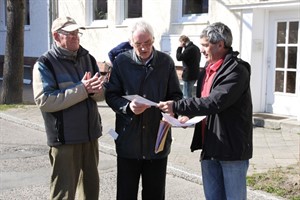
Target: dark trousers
152 172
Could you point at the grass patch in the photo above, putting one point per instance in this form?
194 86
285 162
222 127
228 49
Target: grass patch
283 182
4 107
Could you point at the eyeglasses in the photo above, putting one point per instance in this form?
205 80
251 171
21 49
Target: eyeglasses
146 44
73 33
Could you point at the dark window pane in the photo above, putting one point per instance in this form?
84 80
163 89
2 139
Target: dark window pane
100 9
27 13
194 7
280 57
279 81
281 32
293 32
292 57
291 82
134 9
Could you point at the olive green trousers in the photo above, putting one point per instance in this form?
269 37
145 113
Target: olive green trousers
75 171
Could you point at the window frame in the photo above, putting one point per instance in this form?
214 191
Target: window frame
121 19
3 15
285 70
191 18
90 16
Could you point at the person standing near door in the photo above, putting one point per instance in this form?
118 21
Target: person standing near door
190 55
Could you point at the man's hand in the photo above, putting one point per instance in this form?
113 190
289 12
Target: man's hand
138 108
93 84
166 106
183 119
181 44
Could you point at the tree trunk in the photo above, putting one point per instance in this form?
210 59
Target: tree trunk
13 69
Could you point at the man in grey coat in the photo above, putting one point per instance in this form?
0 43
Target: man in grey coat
66 86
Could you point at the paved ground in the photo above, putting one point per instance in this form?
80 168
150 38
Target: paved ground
24 164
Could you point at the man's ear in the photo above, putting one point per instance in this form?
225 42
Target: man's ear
221 44
56 36
131 43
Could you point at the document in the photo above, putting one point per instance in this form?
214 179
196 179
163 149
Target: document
161 136
140 99
175 122
113 134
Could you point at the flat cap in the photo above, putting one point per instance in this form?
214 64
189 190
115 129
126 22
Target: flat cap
66 24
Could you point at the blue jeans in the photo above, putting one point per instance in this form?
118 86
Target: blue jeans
188 88
224 180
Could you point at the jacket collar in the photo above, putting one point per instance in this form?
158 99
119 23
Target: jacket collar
68 55
138 60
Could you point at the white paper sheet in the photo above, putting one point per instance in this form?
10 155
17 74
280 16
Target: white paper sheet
175 122
140 100
113 134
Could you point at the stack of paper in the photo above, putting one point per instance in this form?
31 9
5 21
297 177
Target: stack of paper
161 136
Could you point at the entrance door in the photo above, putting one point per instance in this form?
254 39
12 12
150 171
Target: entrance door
283 64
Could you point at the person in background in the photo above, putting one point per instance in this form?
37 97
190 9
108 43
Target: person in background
120 48
190 55
151 74
225 135
66 86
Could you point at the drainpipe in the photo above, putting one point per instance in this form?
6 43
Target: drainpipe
53 14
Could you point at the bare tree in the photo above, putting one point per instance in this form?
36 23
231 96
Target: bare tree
13 69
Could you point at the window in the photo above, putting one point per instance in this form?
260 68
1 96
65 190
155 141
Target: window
128 11
27 13
133 8
97 10
193 11
197 7
100 10
286 56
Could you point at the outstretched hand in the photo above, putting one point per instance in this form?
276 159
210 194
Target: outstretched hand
166 106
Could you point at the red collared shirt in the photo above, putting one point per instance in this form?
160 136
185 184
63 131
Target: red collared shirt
210 73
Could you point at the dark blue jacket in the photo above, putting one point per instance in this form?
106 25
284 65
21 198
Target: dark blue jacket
120 48
156 81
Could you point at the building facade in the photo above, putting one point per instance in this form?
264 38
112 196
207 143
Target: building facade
265 32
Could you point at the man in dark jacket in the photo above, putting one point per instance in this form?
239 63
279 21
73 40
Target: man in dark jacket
120 48
190 55
152 75
66 86
225 136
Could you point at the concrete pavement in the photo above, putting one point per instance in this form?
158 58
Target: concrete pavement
24 127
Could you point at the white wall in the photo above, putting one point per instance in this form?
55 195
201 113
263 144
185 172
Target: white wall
252 47
37 38
36 35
